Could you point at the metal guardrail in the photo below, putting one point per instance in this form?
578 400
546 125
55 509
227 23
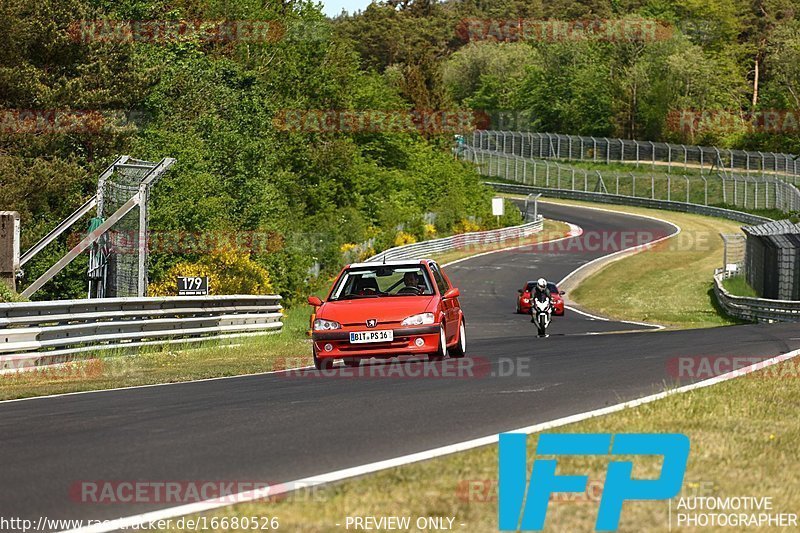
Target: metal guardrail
420 250
683 207
39 333
754 309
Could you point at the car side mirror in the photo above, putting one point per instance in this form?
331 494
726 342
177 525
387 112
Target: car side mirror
452 293
562 293
315 301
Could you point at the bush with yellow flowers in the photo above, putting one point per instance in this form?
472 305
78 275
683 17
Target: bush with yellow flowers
467 226
404 238
429 231
229 272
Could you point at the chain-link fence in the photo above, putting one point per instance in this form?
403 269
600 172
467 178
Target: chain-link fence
748 192
670 157
119 258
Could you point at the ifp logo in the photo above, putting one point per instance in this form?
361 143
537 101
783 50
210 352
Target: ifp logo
518 512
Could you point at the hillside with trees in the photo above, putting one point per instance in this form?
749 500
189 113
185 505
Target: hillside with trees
309 195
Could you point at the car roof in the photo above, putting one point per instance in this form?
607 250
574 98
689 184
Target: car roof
534 283
389 263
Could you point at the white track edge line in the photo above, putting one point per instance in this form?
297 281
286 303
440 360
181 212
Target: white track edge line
340 475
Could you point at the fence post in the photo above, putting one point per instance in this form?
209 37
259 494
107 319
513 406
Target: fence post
755 196
633 184
608 150
652 186
516 164
686 158
594 150
142 244
688 185
653 153
669 158
637 153
617 175
730 153
547 175
669 188
621 151
573 178
701 161
585 180
745 194
705 188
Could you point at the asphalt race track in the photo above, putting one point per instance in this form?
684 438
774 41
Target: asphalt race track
278 428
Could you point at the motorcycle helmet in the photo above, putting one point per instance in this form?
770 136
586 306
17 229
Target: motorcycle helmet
542 284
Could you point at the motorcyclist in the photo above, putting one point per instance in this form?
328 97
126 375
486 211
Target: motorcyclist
540 290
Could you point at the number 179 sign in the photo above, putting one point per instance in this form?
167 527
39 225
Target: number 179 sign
193 286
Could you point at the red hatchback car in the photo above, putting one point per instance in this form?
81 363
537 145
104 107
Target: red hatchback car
524 298
388 309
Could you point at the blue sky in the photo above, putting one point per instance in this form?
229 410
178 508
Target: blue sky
334 7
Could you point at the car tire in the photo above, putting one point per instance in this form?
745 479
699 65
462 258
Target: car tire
322 363
460 349
352 362
442 351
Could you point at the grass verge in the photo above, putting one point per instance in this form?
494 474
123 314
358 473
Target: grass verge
739 447
176 363
668 284
738 286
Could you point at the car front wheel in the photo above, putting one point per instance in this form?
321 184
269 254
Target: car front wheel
460 349
442 351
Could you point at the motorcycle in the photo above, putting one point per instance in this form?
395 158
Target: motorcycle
542 310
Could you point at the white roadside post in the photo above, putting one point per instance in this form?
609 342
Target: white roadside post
498 208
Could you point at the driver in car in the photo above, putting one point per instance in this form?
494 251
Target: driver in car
411 284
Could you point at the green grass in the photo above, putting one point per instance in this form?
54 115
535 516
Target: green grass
739 447
7 295
738 286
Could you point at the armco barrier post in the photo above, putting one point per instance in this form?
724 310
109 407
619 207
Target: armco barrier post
9 247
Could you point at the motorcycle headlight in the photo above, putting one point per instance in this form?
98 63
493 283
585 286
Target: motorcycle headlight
418 320
526 300
321 324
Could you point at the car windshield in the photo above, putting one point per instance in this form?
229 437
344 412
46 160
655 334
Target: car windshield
383 281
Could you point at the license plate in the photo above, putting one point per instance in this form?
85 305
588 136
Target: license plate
381 335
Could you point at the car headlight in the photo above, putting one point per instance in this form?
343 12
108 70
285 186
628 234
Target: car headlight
321 324
418 320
